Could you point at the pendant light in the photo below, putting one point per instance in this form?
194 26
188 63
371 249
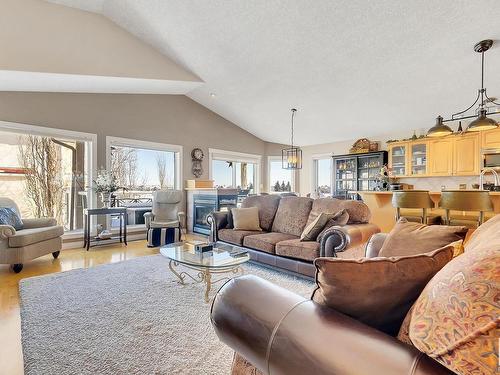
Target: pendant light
291 158
481 122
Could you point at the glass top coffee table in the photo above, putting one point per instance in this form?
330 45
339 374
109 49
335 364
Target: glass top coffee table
223 259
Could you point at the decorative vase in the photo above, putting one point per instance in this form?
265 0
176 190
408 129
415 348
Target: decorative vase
106 199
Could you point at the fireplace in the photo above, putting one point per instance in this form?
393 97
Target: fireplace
203 205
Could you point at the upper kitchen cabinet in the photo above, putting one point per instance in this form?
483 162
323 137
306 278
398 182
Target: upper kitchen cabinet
466 154
418 158
398 158
490 139
441 156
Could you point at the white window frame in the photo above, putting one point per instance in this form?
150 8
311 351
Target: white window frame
292 172
314 172
90 154
147 145
225 155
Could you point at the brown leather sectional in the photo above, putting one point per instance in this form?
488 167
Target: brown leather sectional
284 218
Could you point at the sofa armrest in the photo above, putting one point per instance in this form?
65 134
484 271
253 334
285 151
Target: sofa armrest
217 220
374 245
6 231
148 218
337 238
39 222
280 332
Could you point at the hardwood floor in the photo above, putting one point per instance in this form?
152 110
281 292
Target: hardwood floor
11 359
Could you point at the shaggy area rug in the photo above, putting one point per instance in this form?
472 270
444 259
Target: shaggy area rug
125 318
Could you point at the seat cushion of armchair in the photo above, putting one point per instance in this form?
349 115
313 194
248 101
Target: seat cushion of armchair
267 241
235 236
164 224
295 248
30 236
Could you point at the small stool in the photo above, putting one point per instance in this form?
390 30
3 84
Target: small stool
465 201
415 199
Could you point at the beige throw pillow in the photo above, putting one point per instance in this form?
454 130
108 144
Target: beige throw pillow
311 231
341 218
246 218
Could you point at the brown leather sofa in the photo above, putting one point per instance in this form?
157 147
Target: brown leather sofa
274 331
284 218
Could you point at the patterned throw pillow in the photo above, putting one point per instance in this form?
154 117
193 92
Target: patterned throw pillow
340 218
8 216
456 319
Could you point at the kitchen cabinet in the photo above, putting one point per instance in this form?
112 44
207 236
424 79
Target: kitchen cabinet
441 156
466 155
398 158
490 138
418 158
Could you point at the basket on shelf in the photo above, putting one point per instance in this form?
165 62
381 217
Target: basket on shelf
363 145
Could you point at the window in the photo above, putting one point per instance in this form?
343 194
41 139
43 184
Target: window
141 167
46 172
279 179
323 176
235 170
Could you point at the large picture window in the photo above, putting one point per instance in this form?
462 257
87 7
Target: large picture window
235 170
142 167
280 180
47 172
323 176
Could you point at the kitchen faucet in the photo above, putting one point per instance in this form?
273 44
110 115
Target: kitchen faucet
481 177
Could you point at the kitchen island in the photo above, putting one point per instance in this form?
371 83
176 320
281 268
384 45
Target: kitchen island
384 214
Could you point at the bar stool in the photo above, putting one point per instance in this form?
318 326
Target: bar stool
465 200
415 199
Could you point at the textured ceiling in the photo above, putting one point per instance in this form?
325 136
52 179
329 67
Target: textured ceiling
353 68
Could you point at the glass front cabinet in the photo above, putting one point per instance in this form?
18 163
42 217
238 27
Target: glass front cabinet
398 155
409 159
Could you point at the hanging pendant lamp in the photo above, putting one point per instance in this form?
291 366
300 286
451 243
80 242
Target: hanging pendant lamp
481 121
291 158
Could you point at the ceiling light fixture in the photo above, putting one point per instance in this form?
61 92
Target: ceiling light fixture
481 122
213 94
291 158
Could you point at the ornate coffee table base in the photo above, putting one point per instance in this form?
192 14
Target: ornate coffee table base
204 274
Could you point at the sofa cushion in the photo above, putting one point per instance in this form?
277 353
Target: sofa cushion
359 213
340 218
267 205
376 291
27 237
305 250
292 215
410 238
456 318
246 218
234 236
267 241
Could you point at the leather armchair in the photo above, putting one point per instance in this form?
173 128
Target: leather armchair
166 210
280 332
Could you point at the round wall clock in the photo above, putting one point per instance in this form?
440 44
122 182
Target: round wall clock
197 154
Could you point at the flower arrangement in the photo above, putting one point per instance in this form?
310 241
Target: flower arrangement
384 178
105 182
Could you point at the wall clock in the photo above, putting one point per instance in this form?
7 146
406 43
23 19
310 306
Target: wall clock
197 157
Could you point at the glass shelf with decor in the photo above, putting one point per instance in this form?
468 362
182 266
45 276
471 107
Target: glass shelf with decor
419 159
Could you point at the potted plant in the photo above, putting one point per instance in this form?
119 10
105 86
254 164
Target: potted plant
105 184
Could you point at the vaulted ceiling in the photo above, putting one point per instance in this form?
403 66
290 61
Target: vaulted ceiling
353 68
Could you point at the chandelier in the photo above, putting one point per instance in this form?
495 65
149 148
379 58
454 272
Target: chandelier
481 122
291 158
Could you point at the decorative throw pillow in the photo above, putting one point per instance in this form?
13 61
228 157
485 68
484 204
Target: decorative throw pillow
410 238
376 291
246 218
315 227
340 218
8 216
456 320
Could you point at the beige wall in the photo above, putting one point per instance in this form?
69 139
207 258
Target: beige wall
33 38
172 119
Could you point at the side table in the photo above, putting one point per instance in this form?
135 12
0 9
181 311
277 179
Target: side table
122 237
